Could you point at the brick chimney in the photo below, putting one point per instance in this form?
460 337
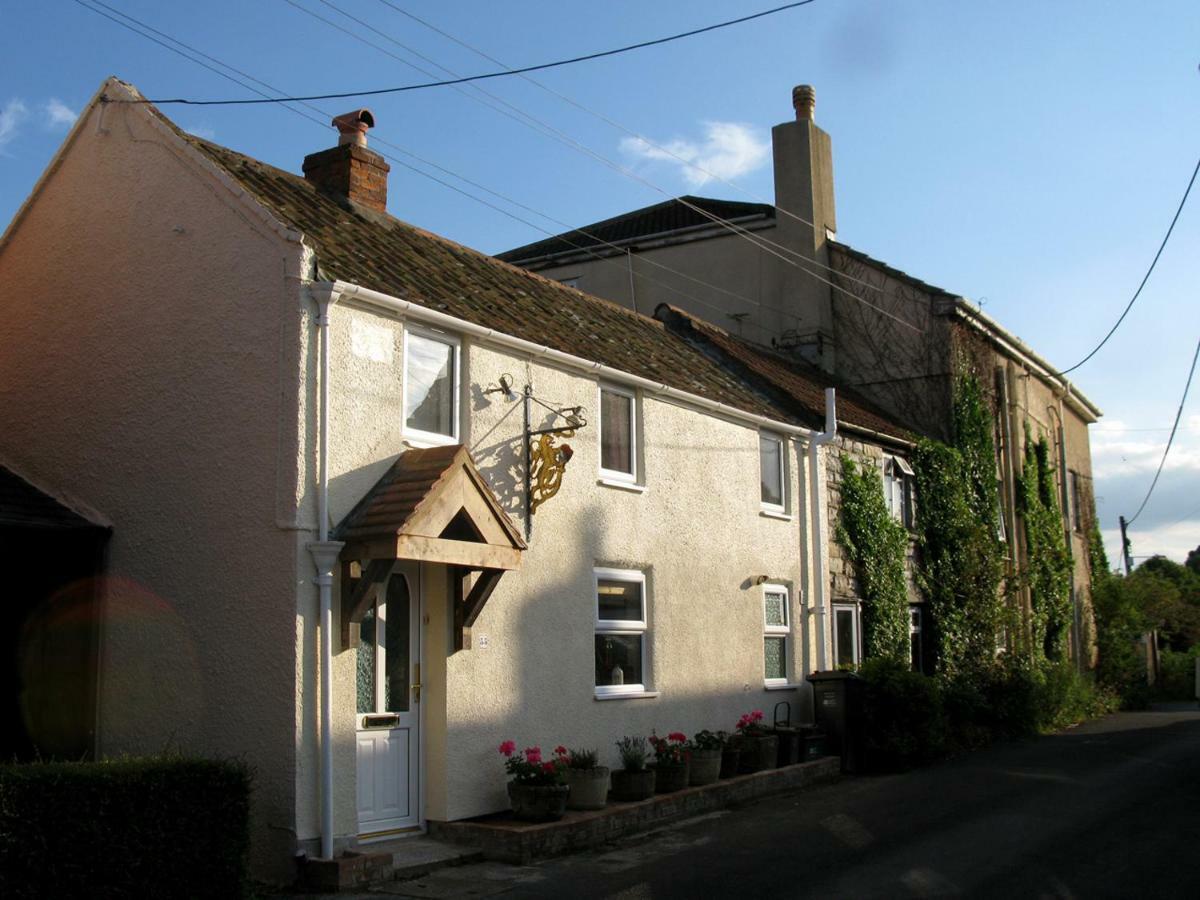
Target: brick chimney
350 170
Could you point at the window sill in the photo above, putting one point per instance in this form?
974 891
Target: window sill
420 440
780 686
627 695
768 513
630 486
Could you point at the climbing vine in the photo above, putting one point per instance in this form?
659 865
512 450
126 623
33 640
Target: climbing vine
876 545
961 560
1049 573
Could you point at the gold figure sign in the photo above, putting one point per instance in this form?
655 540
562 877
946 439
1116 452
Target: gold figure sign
547 464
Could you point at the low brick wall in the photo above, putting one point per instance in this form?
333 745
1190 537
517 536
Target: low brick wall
503 838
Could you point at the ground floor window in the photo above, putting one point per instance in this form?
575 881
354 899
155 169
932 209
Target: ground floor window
776 631
847 647
620 631
915 638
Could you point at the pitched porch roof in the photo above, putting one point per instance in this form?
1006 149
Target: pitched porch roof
431 505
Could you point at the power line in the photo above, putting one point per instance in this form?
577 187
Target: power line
1178 414
486 75
1145 278
531 121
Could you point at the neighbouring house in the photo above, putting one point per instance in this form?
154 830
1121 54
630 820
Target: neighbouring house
375 502
776 275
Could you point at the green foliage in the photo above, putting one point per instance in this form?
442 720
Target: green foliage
910 719
634 751
1120 622
159 827
1049 571
582 759
1097 556
1177 674
877 545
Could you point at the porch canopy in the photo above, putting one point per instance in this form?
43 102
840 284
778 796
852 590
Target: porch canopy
432 505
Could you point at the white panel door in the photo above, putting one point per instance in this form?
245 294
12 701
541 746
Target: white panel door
387 713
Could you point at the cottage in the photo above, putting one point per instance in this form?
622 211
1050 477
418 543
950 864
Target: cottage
377 502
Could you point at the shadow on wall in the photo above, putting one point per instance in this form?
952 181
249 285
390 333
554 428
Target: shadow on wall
541 691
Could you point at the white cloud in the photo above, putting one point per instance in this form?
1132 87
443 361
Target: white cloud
59 115
1173 541
1119 450
729 150
11 117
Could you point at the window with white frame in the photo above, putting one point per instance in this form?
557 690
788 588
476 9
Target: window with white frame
897 489
620 631
914 638
846 648
776 634
430 386
618 434
772 472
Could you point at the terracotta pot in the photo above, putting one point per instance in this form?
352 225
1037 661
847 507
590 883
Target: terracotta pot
538 802
670 777
637 785
704 767
730 757
589 788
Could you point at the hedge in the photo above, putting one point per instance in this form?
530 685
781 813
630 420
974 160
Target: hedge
156 827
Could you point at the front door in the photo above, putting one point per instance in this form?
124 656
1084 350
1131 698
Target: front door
387 717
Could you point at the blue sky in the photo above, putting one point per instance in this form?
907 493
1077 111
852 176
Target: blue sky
1025 154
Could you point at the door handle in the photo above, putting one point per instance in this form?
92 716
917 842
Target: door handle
416 686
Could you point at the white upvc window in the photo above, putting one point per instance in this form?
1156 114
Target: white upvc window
897 489
847 648
772 468
777 631
431 386
618 434
621 631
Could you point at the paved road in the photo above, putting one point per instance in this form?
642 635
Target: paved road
1108 809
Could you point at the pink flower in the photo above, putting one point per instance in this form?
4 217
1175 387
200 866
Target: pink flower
508 747
560 750
756 716
533 754
548 768
677 736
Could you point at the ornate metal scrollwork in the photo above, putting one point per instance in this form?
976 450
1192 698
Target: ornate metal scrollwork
547 464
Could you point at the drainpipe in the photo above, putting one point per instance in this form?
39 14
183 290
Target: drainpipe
820 588
324 553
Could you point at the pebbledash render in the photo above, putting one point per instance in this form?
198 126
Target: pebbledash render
307 423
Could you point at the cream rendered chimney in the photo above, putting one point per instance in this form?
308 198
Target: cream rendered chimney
803 156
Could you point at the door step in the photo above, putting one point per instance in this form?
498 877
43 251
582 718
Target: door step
402 859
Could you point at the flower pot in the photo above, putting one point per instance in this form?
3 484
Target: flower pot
637 785
538 802
730 757
704 767
789 745
670 777
589 788
758 752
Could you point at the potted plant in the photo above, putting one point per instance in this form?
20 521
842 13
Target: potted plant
731 754
670 762
537 792
633 781
704 757
759 748
587 779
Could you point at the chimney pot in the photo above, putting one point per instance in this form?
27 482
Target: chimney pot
804 99
352 127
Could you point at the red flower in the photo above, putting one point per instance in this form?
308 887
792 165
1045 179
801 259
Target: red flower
548 768
508 747
533 754
677 736
560 750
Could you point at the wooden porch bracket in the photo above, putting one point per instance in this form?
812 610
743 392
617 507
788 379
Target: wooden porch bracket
469 601
356 592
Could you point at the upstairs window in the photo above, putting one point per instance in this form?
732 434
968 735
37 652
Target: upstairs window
914 638
430 387
771 472
618 434
620 631
1075 515
776 632
897 489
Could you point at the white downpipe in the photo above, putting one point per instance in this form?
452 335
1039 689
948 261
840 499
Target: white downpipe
325 555
820 588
